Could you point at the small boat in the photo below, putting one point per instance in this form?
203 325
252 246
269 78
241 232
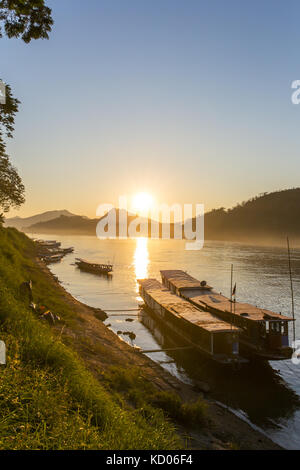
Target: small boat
63 251
208 334
94 268
264 334
48 244
66 251
49 259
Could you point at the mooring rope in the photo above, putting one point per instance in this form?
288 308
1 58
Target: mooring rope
124 310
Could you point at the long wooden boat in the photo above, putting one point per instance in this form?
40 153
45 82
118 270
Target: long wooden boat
66 251
51 244
202 330
63 251
94 268
50 259
264 334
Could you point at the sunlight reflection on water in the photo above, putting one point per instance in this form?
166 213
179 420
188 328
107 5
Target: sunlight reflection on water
141 260
268 395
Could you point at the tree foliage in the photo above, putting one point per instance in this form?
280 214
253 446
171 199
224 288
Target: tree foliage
11 187
28 19
269 215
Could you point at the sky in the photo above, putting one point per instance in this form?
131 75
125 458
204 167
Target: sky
187 100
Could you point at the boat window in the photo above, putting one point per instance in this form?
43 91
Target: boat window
275 327
267 326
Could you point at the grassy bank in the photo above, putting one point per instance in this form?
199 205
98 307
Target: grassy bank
48 399
76 385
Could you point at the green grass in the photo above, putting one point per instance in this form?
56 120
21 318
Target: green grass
48 399
140 393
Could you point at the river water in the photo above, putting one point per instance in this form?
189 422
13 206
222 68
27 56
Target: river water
265 394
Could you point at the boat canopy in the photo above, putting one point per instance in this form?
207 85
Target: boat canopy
184 309
182 280
206 298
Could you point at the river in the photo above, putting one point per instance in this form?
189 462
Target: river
266 395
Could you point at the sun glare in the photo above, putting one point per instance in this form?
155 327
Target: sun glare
141 260
142 203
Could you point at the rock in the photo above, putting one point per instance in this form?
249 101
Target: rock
100 314
131 335
203 386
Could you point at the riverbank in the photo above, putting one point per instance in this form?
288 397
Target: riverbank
75 384
102 350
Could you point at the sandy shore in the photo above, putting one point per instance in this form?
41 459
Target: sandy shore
100 349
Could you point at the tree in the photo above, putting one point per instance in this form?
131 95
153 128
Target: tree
11 186
28 19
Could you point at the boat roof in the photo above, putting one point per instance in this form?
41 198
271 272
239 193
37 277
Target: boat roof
184 309
206 298
150 284
182 280
92 263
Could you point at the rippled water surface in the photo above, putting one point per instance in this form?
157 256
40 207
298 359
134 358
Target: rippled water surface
267 395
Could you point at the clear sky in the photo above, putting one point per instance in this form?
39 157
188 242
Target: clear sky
188 100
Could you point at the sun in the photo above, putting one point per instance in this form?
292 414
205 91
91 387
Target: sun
142 203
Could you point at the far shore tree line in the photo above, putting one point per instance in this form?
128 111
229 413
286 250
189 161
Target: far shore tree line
267 218
28 20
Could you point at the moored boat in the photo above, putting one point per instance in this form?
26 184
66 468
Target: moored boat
264 334
66 251
50 251
94 268
202 330
51 244
49 259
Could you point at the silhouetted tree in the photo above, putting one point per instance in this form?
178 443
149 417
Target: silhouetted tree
268 215
11 187
28 19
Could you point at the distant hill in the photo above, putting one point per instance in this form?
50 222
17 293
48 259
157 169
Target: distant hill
75 224
82 225
23 223
265 218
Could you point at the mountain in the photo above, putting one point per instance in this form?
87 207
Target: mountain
266 218
75 224
79 225
23 223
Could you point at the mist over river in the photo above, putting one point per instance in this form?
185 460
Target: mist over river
266 394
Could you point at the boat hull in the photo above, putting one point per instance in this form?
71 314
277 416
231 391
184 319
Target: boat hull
91 270
219 358
253 351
